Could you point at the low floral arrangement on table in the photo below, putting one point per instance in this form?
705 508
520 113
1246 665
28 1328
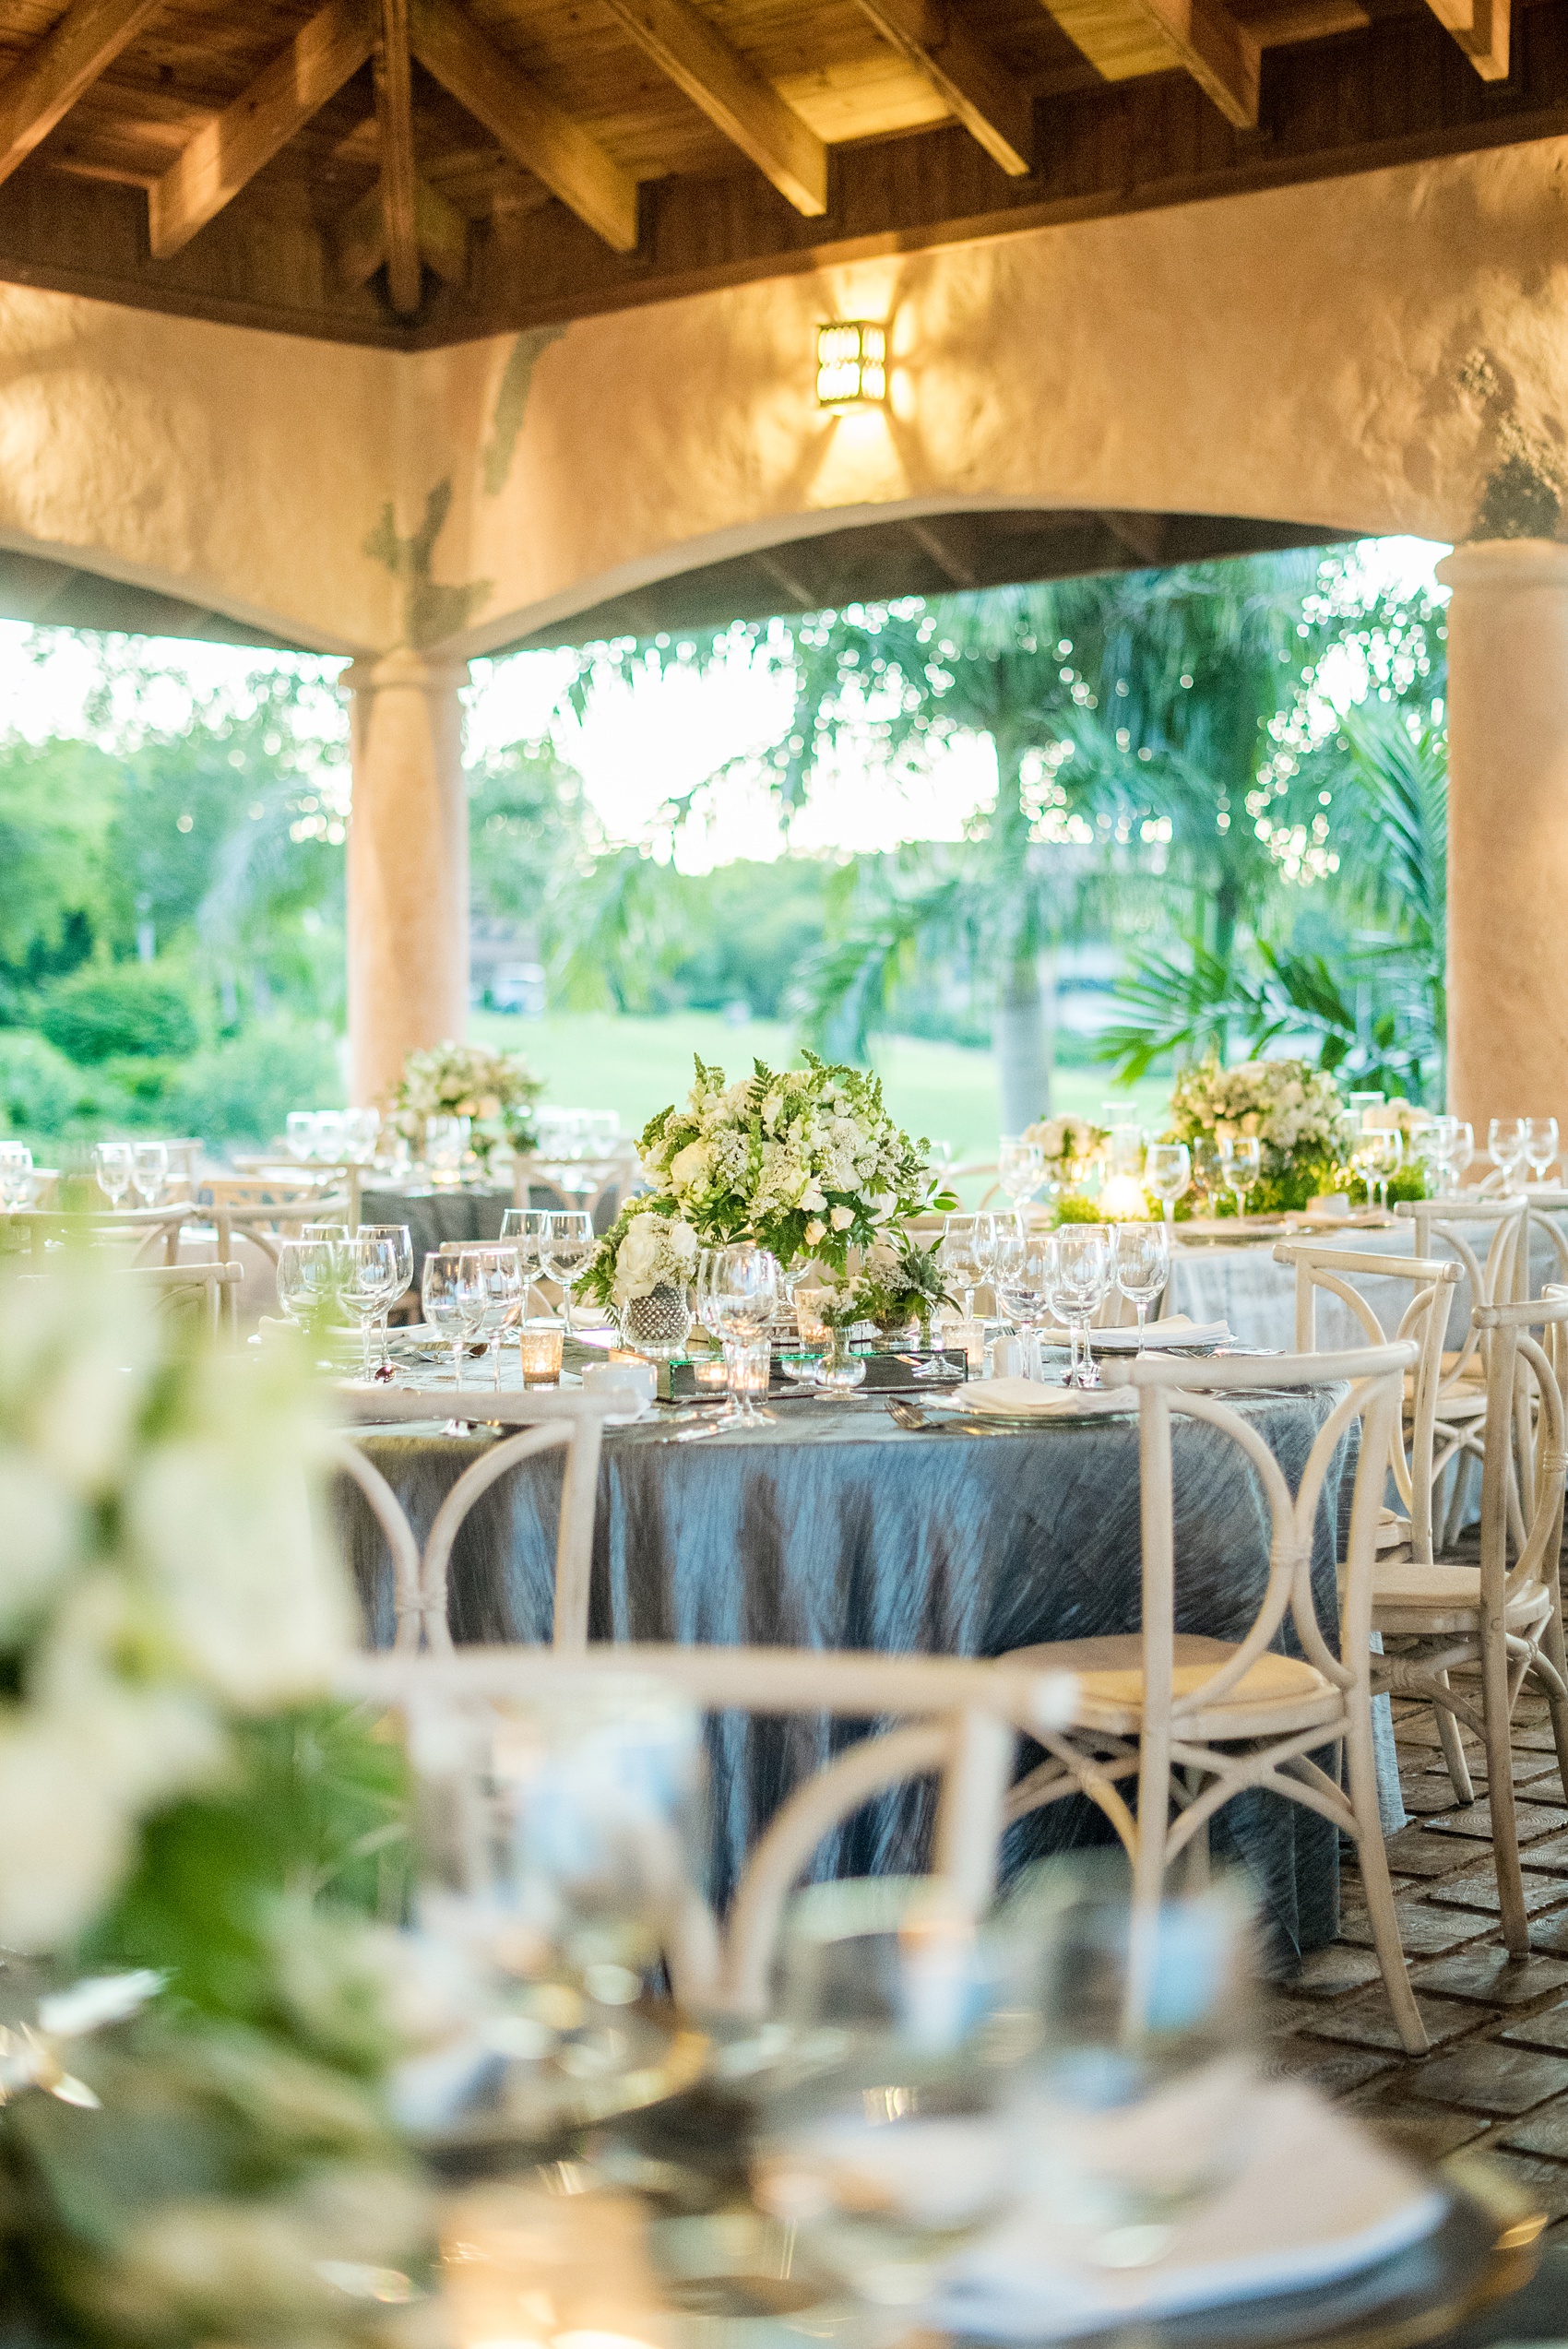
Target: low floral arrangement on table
1295 1111
495 1091
805 1162
195 2145
1067 1144
898 1283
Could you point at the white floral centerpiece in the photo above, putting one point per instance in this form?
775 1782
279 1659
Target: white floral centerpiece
1395 1115
1294 1111
495 1091
1067 1144
806 1162
654 1259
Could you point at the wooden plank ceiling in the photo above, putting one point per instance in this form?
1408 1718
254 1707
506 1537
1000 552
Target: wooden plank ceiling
413 172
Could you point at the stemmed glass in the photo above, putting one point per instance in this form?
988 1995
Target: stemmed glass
1506 1140
1023 1280
526 1227
1540 1144
745 1282
1140 1265
1168 1172
497 1267
308 1273
1241 1162
362 1131
16 1174
959 1259
1079 1283
1378 1151
367 1281
564 1246
111 1163
149 1171
402 1243
445 1303
445 1145
298 1128
1208 1171
1020 1169
1460 1154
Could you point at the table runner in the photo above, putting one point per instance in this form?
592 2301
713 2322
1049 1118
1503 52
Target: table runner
833 1529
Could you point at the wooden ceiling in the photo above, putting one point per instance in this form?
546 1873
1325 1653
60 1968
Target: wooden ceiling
414 171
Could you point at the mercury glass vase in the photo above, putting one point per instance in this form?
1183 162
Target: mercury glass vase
657 1325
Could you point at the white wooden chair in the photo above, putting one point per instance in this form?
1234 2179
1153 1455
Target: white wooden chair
1499 1621
139 1233
573 1424
209 1292
1197 1721
1417 1462
1503 1272
958 1720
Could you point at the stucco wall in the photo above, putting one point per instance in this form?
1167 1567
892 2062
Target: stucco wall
1384 353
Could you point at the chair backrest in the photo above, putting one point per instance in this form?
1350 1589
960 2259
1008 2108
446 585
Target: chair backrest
1523 1451
1322 1270
263 1222
956 1719
553 1421
212 1290
1189 1389
142 1232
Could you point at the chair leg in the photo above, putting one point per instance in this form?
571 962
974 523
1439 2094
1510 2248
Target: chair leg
1500 1792
1382 1916
1195 1858
1552 1651
1453 1750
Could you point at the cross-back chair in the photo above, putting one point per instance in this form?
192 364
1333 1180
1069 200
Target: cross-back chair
142 1232
1502 1273
1497 1623
572 1424
1417 1461
958 1720
209 1293
1192 1721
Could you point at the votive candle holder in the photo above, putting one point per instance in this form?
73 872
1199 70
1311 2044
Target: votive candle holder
540 1345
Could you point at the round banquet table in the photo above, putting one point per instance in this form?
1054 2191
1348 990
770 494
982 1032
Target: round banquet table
833 1529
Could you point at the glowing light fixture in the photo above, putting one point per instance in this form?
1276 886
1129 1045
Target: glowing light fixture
851 364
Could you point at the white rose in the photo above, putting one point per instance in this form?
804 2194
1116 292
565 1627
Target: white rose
841 1218
65 1835
690 1166
41 1528
816 1231
813 1200
683 1242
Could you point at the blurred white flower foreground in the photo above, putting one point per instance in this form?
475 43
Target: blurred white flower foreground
159 1574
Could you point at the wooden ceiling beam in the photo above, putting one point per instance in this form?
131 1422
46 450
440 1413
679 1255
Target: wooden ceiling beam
1223 57
231 148
532 129
47 83
1481 28
395 118
441 234
983 95
731 93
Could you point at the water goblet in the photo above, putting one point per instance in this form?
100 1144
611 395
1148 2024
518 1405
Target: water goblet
1505 1145
111 1163
1540 1144
362 1131
337 1233
402 1244
1079 1282
1241 1162
1168 1173
367 1278
1140 1265
1022 1274
445 1303
1020 1169
307 1282
746 1283
504 1284
445 1146
1377 1154
959 1260
298 1128
565 1245
526 1227
1208 1171
149 1170
1460 1155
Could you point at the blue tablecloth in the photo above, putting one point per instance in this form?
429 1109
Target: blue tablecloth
835 1529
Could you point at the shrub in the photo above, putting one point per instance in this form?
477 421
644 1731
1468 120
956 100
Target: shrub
42 1091
124 1011
242 1090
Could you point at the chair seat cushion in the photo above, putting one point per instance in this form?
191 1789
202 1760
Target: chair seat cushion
1408 1596
1109 1673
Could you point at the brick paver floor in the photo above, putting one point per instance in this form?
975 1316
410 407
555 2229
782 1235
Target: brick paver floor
1497 2075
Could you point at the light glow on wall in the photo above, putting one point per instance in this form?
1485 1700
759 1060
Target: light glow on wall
851 364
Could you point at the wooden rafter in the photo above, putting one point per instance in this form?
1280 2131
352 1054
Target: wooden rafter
230 149
441 234
1481 28
530 127
395 117
987 101
48 82
731 93
1222 56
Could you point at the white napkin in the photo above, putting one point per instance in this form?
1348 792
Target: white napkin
1177 1331
1027 1399
1317 2198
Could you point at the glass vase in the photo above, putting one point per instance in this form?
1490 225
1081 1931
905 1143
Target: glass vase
657 1325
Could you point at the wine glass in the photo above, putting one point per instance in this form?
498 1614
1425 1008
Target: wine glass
500 1269
1140 1265
362 1131
1540 1144
111 1163
959 1260
445 1145
444 1301
745 1287
1020 1169
565 1245
1168 1173
298 1128
337 1233
367 1281
307 1280
402 1244
1377 1154
1460 1155
526 1226
1021 1273
1241 1162
1505 1144
1079 1282
149 1170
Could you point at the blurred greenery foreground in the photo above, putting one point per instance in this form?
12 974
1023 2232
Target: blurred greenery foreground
196 1843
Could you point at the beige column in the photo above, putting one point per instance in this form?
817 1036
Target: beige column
1508 831
408 868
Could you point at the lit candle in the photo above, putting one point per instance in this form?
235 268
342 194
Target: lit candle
710 1374
809 1323
539 1344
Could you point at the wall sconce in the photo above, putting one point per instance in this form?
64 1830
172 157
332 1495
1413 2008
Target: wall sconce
851 364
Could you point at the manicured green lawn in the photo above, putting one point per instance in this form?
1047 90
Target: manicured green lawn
596 1060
